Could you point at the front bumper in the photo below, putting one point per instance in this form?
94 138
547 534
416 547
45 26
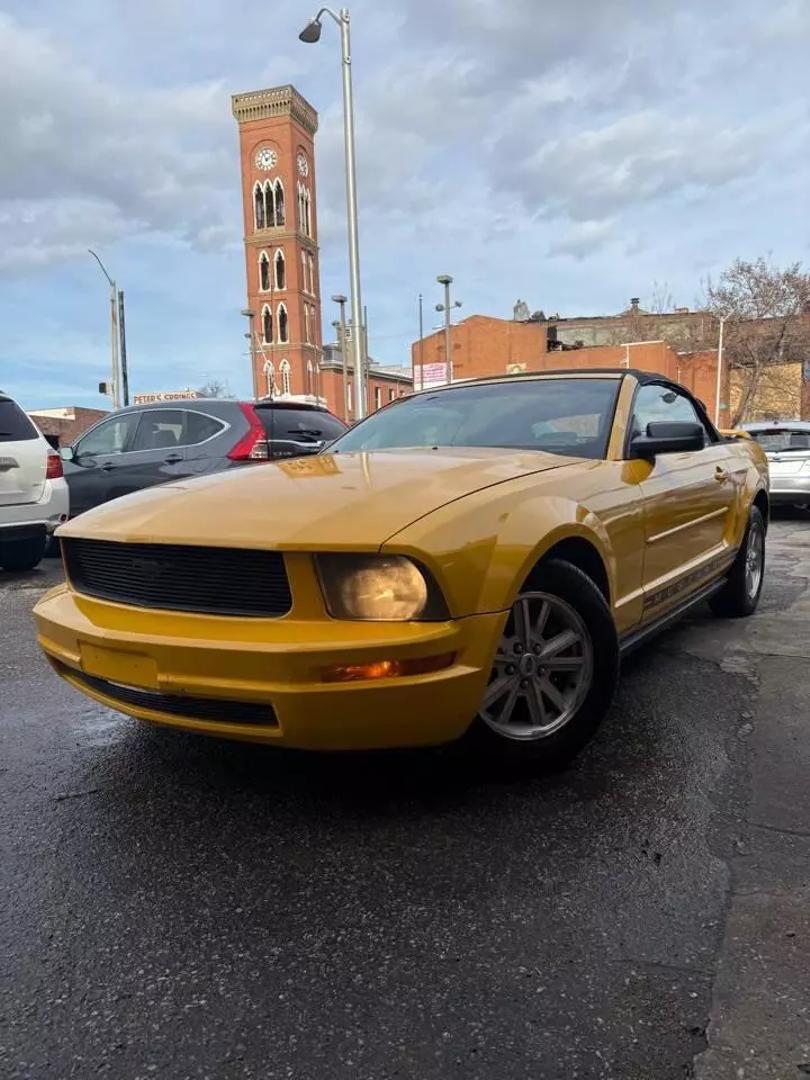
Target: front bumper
277 663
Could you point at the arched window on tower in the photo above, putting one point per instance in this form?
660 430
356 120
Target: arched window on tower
269 204
307 230
307 331
311 261
284 368
258 206
270 378
278 190
304 286
310 377
264 272
281 270
267 325
283 328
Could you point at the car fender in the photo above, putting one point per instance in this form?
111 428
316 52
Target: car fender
483 547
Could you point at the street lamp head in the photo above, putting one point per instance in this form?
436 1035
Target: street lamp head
444 279
339 298
440 307
311 32
457 303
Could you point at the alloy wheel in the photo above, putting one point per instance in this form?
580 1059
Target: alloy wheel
542 671
754 559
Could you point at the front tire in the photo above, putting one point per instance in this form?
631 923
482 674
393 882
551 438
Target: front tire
740 594
554 673
21 555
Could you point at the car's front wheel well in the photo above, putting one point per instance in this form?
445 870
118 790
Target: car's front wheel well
761 502
580 553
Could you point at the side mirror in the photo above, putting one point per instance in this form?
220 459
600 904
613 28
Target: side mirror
67 453
668 437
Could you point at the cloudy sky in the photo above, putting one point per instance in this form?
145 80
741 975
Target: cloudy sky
568 152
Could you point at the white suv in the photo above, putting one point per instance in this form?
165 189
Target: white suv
33 492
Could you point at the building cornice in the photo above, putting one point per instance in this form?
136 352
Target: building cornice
278 101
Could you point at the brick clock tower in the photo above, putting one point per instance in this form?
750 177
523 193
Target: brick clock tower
276 140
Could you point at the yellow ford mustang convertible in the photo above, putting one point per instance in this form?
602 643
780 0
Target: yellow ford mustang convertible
469 561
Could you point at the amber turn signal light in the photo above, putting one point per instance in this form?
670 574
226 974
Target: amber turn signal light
387 669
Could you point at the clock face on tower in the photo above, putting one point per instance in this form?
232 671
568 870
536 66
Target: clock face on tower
266 158
303 165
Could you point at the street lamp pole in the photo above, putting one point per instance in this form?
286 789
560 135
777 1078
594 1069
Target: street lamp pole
311 33
446 307
250 316
719 370
340 300
113 331
421 349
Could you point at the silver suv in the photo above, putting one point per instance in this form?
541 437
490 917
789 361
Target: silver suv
33 492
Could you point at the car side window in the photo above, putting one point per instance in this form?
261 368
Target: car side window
199 427
159 429
109 437
655 402
165 429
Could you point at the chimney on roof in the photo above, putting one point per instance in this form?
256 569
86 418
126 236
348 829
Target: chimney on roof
634 302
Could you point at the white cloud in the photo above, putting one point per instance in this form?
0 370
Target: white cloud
84 158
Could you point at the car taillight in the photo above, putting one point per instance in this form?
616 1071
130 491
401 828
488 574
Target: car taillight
54 470
252 446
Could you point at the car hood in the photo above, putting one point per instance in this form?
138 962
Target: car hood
331 500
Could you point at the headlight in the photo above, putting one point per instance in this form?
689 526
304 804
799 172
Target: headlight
386 588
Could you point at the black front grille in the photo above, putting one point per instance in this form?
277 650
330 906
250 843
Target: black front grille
191 708
216 581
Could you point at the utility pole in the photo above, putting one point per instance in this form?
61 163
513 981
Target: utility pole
421 349
250 316
719 370
446 307
122 330
113 332
340 300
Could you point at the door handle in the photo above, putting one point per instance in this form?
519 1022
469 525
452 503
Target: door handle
108 466
720 474
173 459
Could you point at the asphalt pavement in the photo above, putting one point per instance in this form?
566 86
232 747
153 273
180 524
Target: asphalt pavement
178 907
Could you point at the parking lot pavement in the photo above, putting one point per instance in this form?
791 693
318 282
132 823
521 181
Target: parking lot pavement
180 907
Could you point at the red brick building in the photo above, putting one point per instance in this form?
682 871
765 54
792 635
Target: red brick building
481 345
277 153
62 427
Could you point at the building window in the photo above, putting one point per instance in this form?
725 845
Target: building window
283 326
307 334
281 270
349 398
258 206
391 394
311 262
304 210
269 204
377 397
264 272
269 378
284 368
267 324
304 286
279 200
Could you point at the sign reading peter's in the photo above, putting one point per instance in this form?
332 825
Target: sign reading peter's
165 395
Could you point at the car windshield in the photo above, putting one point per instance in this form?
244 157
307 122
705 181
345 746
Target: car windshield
777 440
558 415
